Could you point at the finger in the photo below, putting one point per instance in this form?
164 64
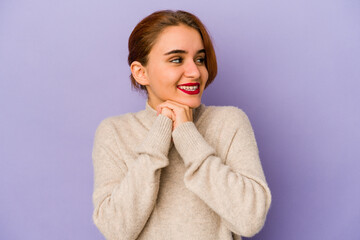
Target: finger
182 113
176 106
168 105
167 112
159 108
181 109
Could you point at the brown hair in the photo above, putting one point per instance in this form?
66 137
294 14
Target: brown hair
143 37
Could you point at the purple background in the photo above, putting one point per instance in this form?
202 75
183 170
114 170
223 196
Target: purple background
292 66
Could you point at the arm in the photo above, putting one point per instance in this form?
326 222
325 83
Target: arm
237 190
124 196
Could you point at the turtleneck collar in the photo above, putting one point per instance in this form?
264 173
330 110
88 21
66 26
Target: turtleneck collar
148 115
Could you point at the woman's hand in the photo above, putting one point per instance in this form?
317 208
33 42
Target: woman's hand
177 112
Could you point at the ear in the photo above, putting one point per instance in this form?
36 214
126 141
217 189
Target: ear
139 73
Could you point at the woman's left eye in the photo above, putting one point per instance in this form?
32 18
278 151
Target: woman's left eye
200 60
176 60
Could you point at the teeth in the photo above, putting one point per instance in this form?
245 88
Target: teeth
189 88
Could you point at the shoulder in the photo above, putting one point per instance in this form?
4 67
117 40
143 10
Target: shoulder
111 123
114 120
230 115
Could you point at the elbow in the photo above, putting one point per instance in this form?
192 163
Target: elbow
251 221
111 226
248 226
99 223
96 220
256 219
252 228
104 225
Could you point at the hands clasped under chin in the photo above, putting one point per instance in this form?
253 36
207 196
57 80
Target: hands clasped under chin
177 112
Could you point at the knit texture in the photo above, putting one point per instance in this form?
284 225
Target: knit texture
204 180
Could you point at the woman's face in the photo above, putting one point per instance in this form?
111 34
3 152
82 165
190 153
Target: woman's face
177 58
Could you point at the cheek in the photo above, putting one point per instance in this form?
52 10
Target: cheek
166 79
155 71
163 73
171 76
205 75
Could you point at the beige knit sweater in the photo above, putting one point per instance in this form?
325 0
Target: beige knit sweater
204 180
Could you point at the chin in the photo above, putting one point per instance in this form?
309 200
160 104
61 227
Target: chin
192 103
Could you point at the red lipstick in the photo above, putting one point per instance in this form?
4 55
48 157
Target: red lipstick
189 84
197 91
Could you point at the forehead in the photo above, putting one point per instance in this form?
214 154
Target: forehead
178 37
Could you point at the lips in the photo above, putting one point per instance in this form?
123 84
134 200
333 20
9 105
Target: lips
197 91
189 84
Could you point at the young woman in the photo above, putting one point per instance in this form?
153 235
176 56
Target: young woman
177 169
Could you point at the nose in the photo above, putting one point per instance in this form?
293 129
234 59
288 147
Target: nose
191 70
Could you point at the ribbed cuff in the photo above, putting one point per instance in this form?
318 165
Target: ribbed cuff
158 139
190 144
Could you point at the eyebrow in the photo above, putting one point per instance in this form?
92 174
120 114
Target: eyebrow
183 51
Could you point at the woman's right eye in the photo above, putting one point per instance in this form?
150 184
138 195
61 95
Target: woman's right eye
176 60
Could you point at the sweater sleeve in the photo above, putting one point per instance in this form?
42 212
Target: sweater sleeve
236 189
124 196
